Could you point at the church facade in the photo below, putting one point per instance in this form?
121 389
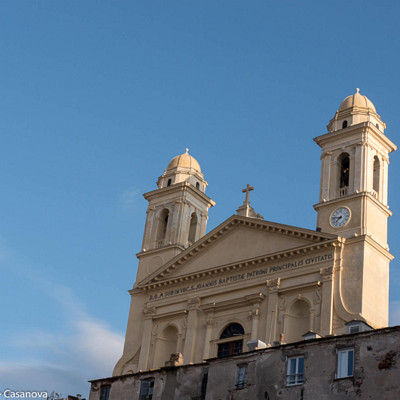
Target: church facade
251 283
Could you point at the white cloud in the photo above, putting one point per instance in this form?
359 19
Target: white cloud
65 360
394 313
38 340
38 376
96 346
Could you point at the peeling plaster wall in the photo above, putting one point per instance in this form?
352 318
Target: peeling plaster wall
376 373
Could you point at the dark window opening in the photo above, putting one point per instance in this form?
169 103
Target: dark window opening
203 389
192 228
230 348
344 125
241 377
169 182
232 330
105 392
233 347
162 227
165 225
146 389
376 174
197 185
344 172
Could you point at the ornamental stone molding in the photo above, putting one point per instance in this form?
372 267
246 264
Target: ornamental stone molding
149 312
274 284
209 322
327 273
317 297
193 303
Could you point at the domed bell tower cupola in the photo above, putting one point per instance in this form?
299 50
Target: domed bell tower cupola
353 203
354 173
177 213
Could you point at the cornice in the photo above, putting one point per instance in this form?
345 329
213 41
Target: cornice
362 128
307 285
352 196
224 228
179 187
221 305
158 282
175 313
157 250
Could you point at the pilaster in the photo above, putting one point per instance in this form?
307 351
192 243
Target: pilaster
191 330
326 300
326 158
255 316
273 287
209 323
148 227
146 339
385 167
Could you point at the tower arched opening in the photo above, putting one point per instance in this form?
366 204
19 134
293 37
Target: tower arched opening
376 173
192 228
162 225
344 173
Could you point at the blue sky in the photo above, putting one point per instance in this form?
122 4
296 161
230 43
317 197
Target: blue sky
98 96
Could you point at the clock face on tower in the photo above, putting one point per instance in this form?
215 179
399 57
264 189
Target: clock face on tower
340 217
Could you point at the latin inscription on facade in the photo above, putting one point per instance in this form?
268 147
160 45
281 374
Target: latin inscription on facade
243 276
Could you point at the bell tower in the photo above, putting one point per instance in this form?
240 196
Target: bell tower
353 202
176 216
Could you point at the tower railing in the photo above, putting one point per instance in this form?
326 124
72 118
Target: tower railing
343 191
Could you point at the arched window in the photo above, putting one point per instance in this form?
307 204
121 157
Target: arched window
197 185
344 125
193 228
162 227
344 173
169 182
234 332
376 174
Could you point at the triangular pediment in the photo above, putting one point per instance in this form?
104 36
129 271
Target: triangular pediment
236 240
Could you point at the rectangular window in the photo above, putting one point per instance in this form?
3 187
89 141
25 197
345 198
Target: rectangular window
295 371
241 377
230 348
146 389
345 363
105 392
203 389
